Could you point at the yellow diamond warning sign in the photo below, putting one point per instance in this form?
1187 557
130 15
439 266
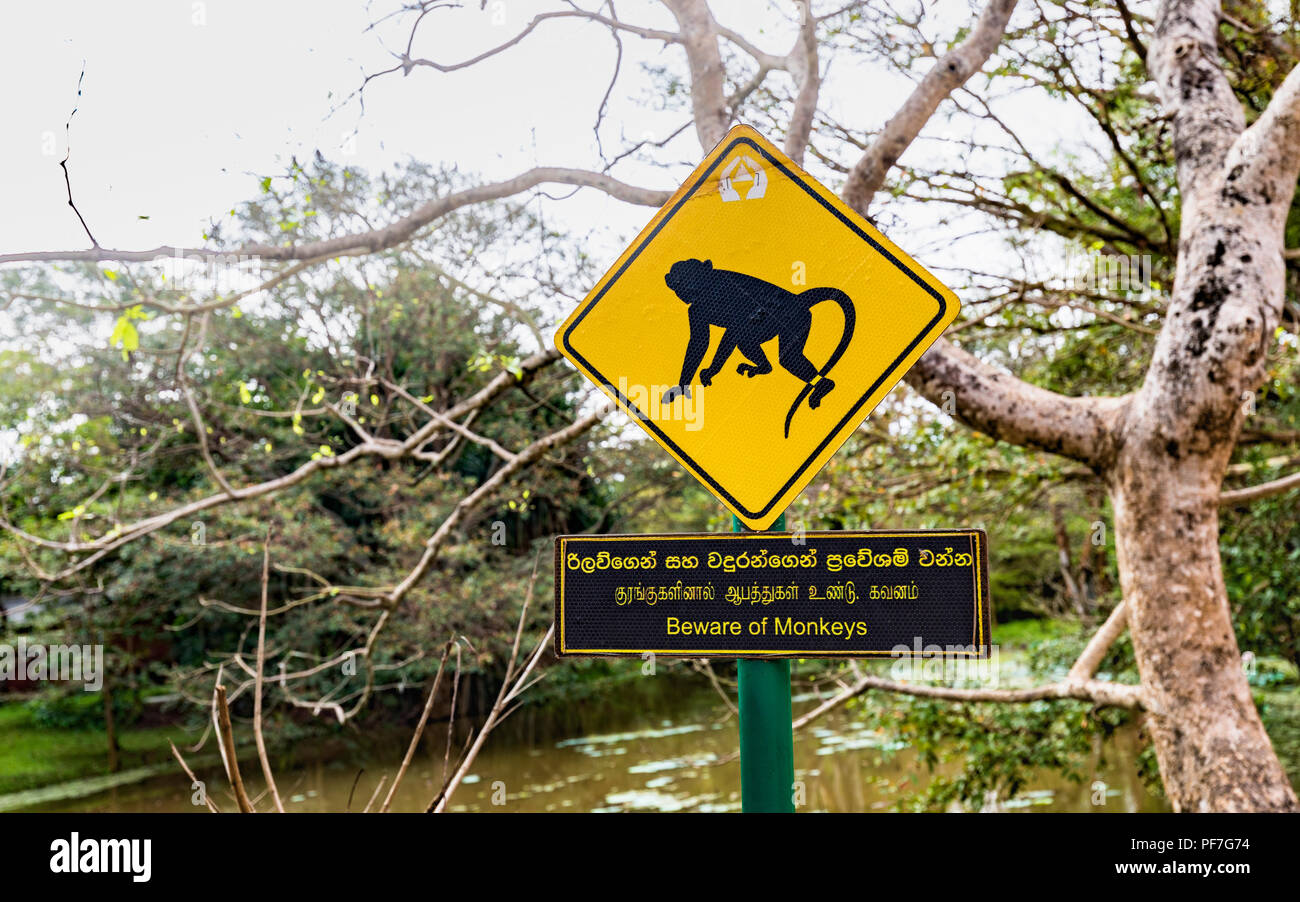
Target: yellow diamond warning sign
753 324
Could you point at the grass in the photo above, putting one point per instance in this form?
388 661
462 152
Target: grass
32 755
1280 711
1021 633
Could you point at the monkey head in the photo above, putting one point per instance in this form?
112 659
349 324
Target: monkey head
689 278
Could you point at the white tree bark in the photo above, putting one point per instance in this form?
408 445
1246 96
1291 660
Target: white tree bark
1179 431
1163 451
708 78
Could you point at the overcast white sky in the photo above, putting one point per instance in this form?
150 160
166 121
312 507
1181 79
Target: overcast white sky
186 104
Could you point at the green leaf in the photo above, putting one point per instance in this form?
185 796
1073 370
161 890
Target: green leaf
75 512
125 335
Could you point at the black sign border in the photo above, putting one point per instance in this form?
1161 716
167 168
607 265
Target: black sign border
650 424
981 627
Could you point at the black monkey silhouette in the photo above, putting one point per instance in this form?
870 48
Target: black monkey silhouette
753 311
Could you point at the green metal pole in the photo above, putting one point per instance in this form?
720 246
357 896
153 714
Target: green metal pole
766 737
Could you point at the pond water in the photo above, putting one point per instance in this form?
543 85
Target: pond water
670 751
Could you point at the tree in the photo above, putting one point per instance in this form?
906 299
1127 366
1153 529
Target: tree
263 394
1161 449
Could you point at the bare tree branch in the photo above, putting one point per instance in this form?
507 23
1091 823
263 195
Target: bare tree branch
950 72
1256 492
525 457
1093 653
257 689
63 164
382 448
512 685
194 781
804 63
708 78
376 239
407 62
992 401
1264 159
1009 409
1115 695
229 753
419 730
1207 118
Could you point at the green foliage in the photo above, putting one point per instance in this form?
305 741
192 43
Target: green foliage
1261 560
981 752
268 377
79 710
993 749
1280 711
1050 658
125 335
1261 540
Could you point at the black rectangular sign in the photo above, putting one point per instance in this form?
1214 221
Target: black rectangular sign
771 594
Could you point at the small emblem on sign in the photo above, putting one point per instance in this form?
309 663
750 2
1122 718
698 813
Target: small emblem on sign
742 170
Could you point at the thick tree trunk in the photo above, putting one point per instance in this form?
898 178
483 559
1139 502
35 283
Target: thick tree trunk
1214 754
1175 442
1180 428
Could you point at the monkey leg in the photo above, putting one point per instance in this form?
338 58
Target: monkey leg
759 365
725 347
793 360
790 353
821 388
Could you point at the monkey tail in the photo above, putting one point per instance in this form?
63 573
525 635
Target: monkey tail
816 296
